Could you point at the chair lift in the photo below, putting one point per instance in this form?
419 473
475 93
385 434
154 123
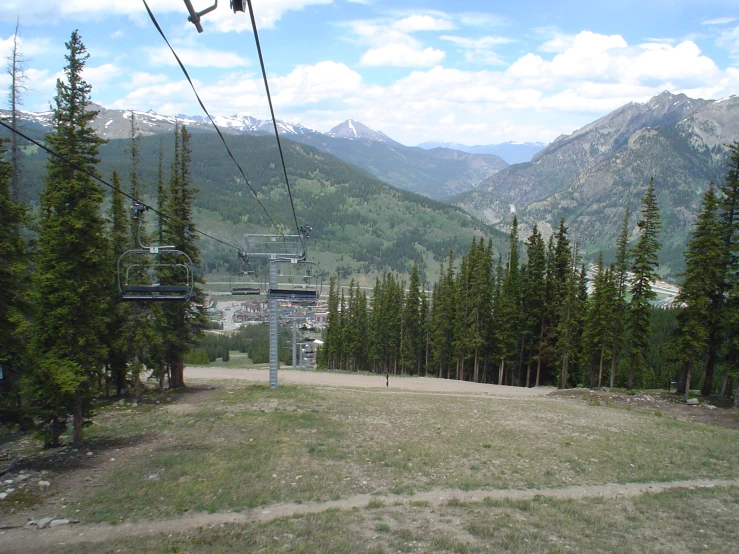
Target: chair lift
194 18
245 282
141 270
298 289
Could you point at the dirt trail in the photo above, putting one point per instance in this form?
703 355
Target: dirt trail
28 539
327 379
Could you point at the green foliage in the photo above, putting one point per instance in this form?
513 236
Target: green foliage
644 272
72 276
13 302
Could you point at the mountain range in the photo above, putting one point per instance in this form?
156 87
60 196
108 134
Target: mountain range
438 173
593 175
512 152
589 177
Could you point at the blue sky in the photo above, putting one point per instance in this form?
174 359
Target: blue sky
472 72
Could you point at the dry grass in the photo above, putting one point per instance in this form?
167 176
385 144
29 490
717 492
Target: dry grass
240 447
680 521
252 446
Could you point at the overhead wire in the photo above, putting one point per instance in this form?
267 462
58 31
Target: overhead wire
274 119
113 187
223 140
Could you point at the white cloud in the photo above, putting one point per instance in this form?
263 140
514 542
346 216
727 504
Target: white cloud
601 58
29 47
476 43
415 23
479 50
401 55
729 40
200 57
719 21
102 75
308 84
559 44
391 42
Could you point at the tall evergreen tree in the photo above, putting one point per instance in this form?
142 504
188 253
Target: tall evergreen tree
619 271
533 289
412 325
184 320
72 277
120 241
598 325
727 302
644 270
701 283
509 310
13 301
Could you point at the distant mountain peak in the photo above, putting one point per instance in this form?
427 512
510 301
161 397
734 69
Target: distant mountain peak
352 129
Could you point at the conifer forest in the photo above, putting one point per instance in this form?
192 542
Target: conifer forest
531 318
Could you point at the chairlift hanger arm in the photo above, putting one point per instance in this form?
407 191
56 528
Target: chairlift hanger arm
194 17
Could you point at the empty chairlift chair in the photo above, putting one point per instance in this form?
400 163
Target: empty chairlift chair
301 285
155 273
245 282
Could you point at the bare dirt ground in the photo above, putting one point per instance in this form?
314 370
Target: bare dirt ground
24 539
396 382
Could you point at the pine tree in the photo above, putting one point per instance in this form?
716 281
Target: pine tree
184 320
569 319
533 298
598 325
119 242
412 325
13 302
644 273
72 278
701 284
619 271
443 309
509 311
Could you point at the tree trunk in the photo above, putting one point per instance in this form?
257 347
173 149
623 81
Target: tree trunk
136 381
736 395
707 387
476 375
500 372
162 373
632 367
682 379
565 369
614 357
600 369
724 386
538 369
528 375
78 420
687 383
56 431
177 379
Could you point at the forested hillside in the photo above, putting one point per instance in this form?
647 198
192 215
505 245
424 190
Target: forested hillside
360 224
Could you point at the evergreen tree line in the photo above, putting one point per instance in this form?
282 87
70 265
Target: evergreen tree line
542 321
66 337
249 339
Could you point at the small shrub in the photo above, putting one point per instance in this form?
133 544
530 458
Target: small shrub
382 527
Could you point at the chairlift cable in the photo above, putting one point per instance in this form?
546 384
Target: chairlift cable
112 187
223 140
274 120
